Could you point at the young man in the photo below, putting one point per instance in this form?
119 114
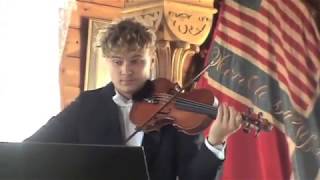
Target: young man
102 116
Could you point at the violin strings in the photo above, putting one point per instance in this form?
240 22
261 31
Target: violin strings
187 101
190 104
197 108
212 108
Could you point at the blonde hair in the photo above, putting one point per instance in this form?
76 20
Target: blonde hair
127 34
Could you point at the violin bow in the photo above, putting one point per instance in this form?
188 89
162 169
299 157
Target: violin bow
189 83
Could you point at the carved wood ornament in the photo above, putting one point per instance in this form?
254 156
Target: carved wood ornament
181 27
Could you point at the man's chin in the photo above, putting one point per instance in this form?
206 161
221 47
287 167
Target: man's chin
129 91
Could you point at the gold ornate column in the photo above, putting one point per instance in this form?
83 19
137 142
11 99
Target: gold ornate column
181 27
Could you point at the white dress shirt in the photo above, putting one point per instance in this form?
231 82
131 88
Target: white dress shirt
128 127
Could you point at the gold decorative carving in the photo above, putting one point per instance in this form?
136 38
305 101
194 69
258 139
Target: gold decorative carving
181 62
149 13
189 23
181 27
163 63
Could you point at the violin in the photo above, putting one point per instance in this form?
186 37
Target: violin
190 112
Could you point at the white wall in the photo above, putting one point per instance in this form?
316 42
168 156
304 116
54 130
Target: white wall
29 66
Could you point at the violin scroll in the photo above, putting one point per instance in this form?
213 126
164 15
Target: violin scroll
254 121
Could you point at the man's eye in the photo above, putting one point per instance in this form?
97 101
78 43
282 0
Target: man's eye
117 61
136 61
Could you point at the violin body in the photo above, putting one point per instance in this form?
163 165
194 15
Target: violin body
190 112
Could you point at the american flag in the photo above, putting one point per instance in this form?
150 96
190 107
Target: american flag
281 38
267 55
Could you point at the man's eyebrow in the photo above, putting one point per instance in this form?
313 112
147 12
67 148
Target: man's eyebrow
137 56
118 57
134 56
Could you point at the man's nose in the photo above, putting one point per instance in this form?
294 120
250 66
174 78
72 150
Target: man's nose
126 69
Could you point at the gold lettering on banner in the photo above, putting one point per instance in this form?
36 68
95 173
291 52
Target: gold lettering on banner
260 91
218 59
287 114
277 108
252 80
235 75
227 72
304 139
241 81
302 136
251 84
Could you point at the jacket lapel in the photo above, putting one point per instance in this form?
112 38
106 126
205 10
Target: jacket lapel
113 127
151 143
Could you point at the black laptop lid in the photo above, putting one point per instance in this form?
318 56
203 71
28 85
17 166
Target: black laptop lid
40 161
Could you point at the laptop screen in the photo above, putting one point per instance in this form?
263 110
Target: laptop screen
71 161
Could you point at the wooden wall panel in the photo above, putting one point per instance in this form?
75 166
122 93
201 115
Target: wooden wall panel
69 79
114 3
99 11
73 43
70 72
69 94
75 21
73 59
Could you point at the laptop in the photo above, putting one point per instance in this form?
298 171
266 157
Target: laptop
53 161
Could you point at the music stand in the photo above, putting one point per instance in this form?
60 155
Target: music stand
53 161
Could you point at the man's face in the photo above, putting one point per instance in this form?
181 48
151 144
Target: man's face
129 70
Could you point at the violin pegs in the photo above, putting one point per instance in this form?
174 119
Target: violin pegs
260 114
257 132
246 130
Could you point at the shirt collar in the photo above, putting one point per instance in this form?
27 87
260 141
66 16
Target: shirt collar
121 100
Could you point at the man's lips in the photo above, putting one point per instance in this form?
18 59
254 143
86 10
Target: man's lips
127 80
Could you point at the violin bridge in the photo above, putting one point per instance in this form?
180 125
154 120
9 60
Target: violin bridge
151 100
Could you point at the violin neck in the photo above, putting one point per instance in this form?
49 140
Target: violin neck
191 106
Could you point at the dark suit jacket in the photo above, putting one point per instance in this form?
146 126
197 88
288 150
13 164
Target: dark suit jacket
93 119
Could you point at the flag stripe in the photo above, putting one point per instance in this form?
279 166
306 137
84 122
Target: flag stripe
271 32
296 98
280 40
290 32
250 58
293 12
287 16
274 33
311 36
268 48
239 98
257 33
309 24
308 35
